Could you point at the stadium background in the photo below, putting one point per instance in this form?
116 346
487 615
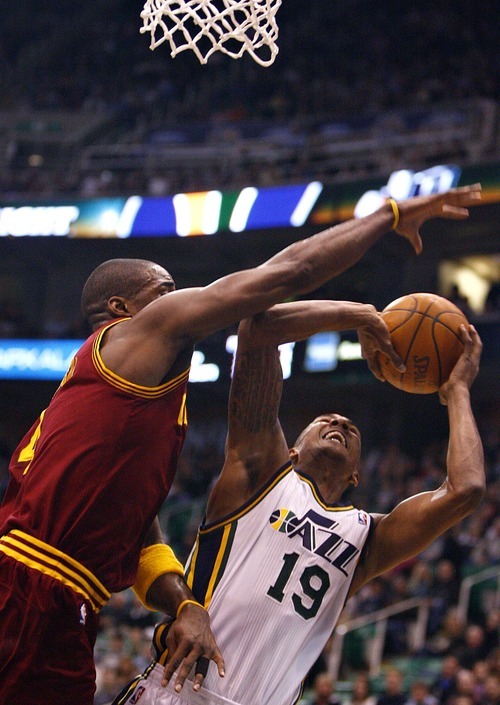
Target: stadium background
359 91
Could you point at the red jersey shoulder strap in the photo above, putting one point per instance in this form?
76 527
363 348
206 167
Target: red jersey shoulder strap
123 384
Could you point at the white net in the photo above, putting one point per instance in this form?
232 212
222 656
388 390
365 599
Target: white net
206 26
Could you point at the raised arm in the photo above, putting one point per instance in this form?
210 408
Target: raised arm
256 446
419 520
171 323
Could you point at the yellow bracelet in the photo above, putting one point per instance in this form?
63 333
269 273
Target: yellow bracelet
187 602
155 560
395 210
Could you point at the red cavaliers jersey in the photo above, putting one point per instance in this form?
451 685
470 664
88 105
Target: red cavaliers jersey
90 476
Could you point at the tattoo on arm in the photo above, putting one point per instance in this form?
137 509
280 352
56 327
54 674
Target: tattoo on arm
256 389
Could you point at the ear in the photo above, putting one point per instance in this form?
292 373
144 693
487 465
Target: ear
354 479
118 306
294 455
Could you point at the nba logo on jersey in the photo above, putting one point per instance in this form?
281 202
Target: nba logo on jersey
137 695
83 613
362 518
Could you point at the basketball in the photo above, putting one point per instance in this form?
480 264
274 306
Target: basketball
424 330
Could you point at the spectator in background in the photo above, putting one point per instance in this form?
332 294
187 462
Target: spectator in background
449 638
393 693
494 662
140 646
420 579
445 685
481 672
373 596
492 628
444 591
323 691
465 684
491 693
361 691
113 676
420 694
115 647
108 682
474 647
126 669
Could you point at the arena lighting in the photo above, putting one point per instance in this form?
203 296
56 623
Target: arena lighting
306 203
242 208
286 354
197 213
185 214
37 220
202 371
109 220
209 212
321 352
36 359
325 350
127 216
348 350
50 359
406 183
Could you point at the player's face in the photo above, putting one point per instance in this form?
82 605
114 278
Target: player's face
158 282
332 434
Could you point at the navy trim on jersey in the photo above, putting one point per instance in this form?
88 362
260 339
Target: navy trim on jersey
250 503
208 561
338 506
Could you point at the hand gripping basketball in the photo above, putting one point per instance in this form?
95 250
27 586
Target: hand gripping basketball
467 366
426 333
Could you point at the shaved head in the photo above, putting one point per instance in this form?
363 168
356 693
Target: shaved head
115 277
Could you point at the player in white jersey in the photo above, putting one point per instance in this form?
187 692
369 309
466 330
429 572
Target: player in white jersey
277 555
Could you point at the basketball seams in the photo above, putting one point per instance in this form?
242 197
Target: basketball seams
423 317
447 325
415 311
451 332
435 322
428 364
415 333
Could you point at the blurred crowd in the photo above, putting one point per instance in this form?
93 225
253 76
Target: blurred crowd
338 59
341 69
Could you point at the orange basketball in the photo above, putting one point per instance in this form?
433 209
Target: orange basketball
424 330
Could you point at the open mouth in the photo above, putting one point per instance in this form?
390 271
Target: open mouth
336 436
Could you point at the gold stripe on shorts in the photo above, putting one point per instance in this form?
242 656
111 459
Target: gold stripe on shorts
41 556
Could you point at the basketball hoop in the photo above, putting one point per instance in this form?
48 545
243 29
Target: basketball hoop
206 26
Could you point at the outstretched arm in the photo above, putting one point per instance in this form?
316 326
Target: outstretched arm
175 321
256 446
419 520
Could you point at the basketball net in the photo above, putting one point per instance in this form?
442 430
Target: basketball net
206 26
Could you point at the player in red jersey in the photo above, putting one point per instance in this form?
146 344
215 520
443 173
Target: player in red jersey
78 520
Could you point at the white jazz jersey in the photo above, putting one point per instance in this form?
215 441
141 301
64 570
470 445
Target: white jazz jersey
274 577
